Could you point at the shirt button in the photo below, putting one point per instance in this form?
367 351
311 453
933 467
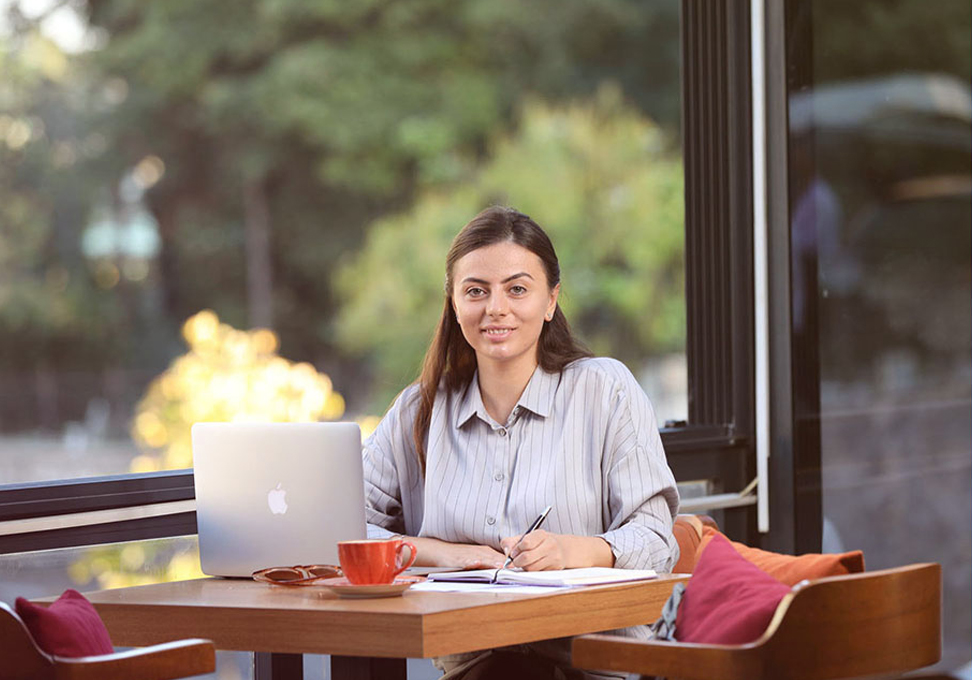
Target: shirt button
490 520
502 432
498 476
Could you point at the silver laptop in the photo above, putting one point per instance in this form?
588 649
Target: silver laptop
275 494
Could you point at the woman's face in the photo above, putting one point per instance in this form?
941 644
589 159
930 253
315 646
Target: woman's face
501 299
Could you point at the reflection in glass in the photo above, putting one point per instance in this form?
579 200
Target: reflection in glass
881 207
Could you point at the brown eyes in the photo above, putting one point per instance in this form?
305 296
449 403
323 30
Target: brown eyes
479 292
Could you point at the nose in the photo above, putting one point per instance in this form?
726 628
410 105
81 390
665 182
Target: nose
497 305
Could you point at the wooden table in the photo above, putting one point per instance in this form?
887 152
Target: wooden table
365 638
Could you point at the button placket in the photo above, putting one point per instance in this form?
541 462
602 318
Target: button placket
500 492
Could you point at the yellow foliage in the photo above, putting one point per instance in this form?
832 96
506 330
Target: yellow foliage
132 557
79 572
368 425
133 564
227 375
183 567
144 463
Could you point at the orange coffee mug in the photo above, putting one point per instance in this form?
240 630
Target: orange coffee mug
374 561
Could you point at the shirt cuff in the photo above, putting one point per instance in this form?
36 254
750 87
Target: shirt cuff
638 549
375 531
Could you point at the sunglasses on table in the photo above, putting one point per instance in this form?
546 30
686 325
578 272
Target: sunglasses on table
302 575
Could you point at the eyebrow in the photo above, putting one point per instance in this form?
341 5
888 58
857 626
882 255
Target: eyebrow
470 279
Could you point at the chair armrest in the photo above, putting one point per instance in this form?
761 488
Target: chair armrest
684 660
179 659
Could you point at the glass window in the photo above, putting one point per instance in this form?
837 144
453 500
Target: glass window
881 203
207 216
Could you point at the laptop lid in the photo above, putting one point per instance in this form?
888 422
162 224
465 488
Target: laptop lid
276 494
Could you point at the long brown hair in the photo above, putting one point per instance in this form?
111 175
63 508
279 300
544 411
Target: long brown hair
450 362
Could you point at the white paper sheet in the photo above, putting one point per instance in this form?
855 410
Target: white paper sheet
455 587
586 576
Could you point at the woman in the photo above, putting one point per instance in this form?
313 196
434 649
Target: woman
511 414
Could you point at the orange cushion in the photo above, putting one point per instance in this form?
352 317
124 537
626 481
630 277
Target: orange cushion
791 569
688 533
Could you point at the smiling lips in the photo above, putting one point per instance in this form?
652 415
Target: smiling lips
497 332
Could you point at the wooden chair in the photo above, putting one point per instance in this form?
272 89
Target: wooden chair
846 626
22 659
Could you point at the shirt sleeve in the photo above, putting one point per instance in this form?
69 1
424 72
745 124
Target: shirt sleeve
640 493
383 454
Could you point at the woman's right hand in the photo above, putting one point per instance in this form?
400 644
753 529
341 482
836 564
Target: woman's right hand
435 553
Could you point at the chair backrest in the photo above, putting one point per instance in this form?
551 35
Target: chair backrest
857 624
848 626
22 658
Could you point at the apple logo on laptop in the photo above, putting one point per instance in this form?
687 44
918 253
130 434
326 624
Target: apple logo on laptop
276 499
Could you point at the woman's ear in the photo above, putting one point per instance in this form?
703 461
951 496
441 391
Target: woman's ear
554 294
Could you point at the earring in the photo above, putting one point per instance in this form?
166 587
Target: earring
549 317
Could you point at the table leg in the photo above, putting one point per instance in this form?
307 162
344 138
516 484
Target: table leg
367 668
276 666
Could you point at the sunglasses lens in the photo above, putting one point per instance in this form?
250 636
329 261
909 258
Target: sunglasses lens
322 571
283 574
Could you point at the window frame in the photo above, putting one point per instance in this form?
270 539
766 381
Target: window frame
114 492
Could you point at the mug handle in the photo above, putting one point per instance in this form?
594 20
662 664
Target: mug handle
411 557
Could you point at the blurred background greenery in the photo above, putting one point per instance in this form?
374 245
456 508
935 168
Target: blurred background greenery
301 166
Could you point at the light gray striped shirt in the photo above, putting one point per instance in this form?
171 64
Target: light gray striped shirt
584 441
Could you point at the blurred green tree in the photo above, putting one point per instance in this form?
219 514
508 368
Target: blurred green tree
53 316
288 126
600 177
280 129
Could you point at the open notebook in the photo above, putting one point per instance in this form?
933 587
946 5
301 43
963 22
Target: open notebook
589 576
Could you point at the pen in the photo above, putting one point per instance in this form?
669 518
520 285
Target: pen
536 525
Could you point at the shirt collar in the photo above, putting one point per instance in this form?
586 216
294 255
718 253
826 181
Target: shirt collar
538 397
471 403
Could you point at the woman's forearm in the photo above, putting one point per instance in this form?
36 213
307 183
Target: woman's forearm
588 551
578 551
432 552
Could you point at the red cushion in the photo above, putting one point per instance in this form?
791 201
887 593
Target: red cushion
728 600
69 627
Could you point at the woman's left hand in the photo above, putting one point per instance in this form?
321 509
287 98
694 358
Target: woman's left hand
541 550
